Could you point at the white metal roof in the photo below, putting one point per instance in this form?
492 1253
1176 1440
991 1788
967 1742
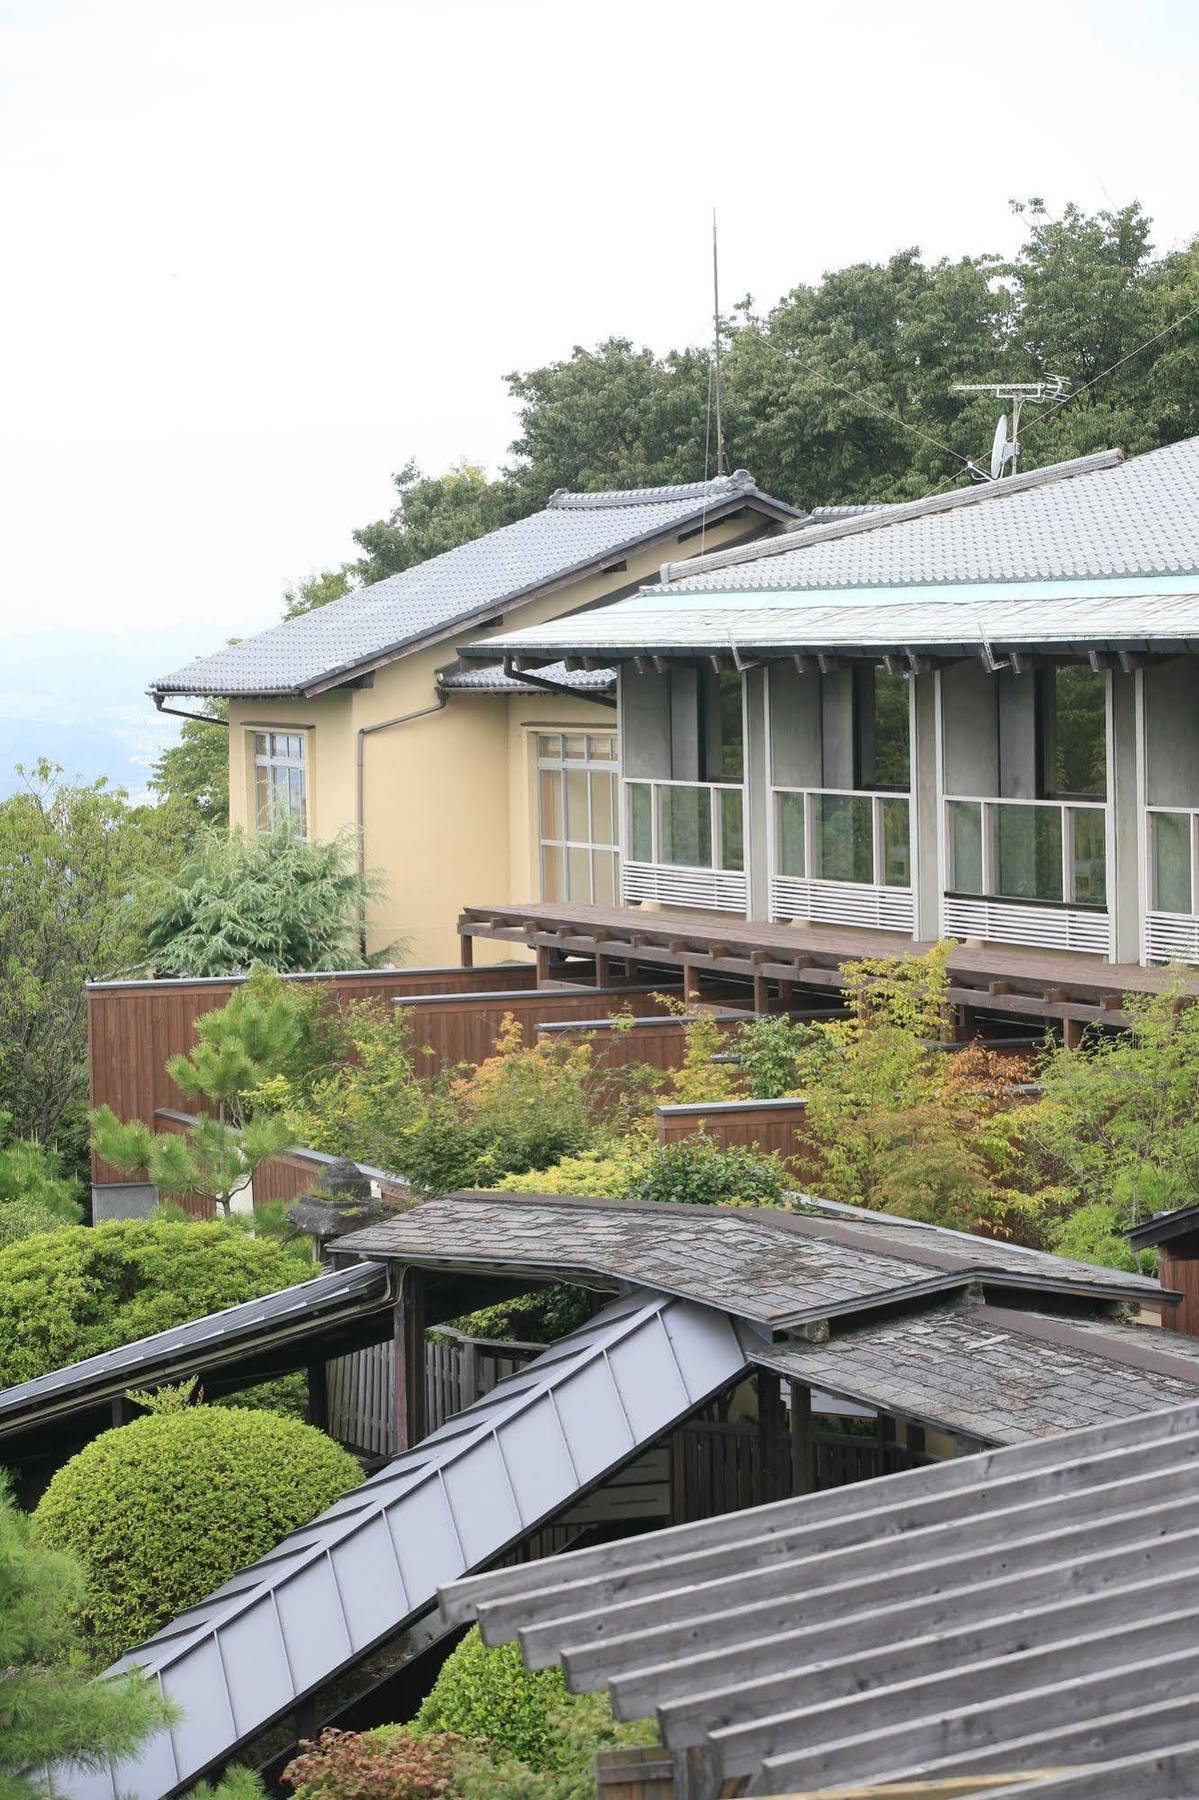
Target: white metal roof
372 1563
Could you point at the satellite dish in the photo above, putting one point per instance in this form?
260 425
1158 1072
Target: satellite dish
1001 448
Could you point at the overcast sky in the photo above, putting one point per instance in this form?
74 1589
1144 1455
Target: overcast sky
260 252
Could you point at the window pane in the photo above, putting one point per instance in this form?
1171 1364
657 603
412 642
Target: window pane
551 804
966 846
295 797
1172 862
601 749
732 842
552 887
603 804
843 842
578 875
891 739
1028 852
574 747
789 828
295 746
260 743
578 829
1078 724
897 849
1090 857
685 826
262 800
604 866
732 758
549 746
641 840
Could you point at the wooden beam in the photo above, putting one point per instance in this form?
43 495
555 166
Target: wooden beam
803 1443
408 1362
466 949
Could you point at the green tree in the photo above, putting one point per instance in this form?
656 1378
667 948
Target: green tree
191 776
71 855
270 900
50 1711
262 1032
318 589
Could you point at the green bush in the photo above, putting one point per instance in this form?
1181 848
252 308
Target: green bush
696 1171
604 1172
374 1765
1093 1234
488 1693
71 1293
770 1051
25 1218
538 1317
161 1512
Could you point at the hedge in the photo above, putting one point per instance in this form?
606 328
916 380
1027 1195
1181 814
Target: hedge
69 1294
163 1511
488 1693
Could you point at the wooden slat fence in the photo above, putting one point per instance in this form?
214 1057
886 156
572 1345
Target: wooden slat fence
768 1125
135 1027
451 1029
281 1178
657 1040
458 1371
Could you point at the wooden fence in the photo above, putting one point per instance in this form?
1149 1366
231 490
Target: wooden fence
767 1125
458 1371
462 1028
135 1027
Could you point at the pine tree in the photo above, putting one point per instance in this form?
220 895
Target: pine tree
51 1711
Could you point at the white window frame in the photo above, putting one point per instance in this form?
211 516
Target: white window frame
562 765
277 762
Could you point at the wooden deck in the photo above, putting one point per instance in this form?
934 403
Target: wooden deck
780 962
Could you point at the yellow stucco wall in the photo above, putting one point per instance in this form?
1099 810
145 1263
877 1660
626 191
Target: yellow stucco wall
450 802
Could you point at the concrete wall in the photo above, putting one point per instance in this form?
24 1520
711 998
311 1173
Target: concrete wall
1172 732
447 813
970 729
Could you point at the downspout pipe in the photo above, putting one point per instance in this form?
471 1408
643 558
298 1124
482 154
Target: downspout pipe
555 687
365 731
178 712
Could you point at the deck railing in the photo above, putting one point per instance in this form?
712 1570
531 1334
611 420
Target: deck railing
1172 889
685 843
1027 872
841 855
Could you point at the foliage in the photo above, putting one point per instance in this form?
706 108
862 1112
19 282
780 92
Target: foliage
265 1029
374 1765
605 1171
366 1090
191 776
770 1050
1118 1118
35 1195
84 1289
71 856
695 1170
488 1693
237 1783
700 1078
162 1511
50 1711
1093 1234
269 900
172 1398
24 1219
539 1317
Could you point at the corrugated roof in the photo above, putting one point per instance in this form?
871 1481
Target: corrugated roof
370 1564
656 624
309 1308
573 533
1027 1609
1095 516
490 679
772 1267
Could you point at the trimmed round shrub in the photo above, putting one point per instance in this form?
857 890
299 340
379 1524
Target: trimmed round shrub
696 1171
69 1294
161 1512
488 1693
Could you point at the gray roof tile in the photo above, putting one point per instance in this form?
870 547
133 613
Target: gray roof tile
490 679
390 617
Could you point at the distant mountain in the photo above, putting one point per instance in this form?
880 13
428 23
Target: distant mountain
79 699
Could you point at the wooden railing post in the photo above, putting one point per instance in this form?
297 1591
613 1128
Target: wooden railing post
803 1467
408 1361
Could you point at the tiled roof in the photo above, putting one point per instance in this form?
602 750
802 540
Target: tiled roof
573 533
996 1374
490 679
1135 517
1028 1613
773 1268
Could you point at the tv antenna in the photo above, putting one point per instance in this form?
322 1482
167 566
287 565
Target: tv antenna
720 469
1005 446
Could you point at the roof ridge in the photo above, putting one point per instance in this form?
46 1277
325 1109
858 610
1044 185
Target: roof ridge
805 535
739 482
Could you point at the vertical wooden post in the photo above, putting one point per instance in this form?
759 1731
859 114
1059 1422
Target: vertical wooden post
408 1363
318 1393
543 963
466 950
770 1435
803 1460
690 984
123 1410
603 970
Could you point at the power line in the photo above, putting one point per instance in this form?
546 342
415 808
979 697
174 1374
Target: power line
1118 364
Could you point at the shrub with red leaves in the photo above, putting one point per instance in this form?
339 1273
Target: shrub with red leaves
347 1765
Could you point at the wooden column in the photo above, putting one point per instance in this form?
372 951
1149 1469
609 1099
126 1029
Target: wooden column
466 950
603 970
803 1458
408 1362
771 1441
544 964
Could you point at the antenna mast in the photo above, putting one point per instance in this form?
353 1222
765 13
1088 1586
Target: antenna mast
1005 451
720 469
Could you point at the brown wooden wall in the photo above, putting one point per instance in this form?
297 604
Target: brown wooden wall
453 1028
750 1124
1180 1271
134 1027
658 1042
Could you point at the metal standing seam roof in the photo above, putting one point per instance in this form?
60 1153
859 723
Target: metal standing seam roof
571 534
1026 1609
656 624
771 1267
372 1563
296 1312
1093 516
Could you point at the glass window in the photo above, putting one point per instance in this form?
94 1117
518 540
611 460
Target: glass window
897 844
1074 730
280 785
1028 852
1088 856
965 846
843 837
1172 862
732 838
790 835
576 786
641 833
884 744
685 826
